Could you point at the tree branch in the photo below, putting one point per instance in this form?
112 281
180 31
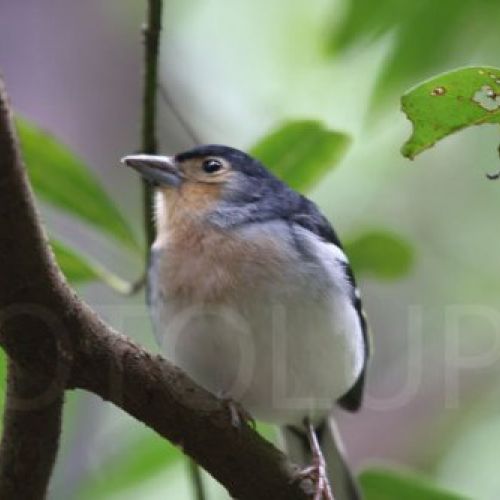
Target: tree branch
33 404
58 341
30 438
151 31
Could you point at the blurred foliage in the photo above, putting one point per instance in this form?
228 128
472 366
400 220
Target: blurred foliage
471 462
450 102
426 33
79 269
150 456
76 269
300 153
63 180
381 254
381 484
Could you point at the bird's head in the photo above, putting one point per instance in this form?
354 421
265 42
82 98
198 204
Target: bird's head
219 183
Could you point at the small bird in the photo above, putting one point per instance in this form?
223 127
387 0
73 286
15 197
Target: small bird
251 294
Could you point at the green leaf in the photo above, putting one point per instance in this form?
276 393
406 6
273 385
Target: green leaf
74 266
62 179
424 34
301 152
79 269
381 254
381 484
267 431
143 459
450 102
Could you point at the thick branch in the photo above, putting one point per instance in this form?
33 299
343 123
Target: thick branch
56 339
30 437
33 404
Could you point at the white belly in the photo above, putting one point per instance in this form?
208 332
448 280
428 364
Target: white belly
284 339
284 356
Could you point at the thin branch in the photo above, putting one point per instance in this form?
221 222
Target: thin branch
496 175
152 31
196 480
55 338
186 126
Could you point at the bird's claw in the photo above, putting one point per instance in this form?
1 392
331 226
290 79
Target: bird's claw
316 474
237 413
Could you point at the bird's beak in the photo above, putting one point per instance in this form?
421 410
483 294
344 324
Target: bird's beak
154 168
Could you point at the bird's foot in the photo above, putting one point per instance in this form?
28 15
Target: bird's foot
237 413
316 472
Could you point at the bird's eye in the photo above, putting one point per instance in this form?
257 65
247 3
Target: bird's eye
210 166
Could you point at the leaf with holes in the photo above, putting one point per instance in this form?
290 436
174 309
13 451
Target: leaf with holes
450 102
300 153
381 254
62 179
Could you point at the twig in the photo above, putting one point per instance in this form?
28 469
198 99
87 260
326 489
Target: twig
196 480
151 31
186 126
496 175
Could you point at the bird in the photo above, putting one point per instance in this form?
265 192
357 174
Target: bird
251 294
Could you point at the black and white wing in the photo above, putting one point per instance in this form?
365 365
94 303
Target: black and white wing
309 217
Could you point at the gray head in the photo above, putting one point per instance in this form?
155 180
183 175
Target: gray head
224 185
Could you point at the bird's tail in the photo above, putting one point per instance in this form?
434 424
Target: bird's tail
296 444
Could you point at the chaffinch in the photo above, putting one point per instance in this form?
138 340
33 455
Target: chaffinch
252 295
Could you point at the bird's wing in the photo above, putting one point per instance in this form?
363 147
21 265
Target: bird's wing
310 218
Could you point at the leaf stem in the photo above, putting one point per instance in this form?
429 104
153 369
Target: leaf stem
119 285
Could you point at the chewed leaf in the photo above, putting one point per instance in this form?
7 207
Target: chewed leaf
300 153
62 179
450 102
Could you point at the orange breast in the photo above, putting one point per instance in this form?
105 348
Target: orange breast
203 263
